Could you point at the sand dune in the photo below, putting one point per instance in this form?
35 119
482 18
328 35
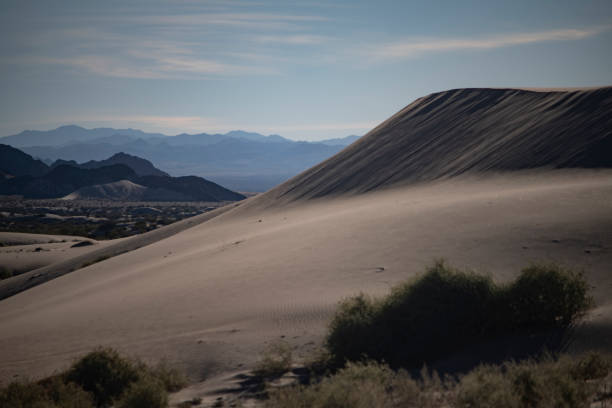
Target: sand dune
23 258
209 297
467 130
20 238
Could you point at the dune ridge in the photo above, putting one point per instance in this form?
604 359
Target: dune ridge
468 130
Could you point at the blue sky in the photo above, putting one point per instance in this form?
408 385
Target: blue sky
303 69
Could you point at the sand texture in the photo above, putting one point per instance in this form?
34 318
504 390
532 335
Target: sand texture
467 130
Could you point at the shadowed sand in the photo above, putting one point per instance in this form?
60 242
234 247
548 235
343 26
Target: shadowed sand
210 297
21 252
52 262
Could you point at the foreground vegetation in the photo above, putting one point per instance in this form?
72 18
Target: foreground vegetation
373 341
101 378
374 344
566 382
446 309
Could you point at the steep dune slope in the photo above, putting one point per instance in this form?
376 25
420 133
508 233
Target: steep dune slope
468 130
210 297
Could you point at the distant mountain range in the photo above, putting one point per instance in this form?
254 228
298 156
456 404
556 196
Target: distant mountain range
121 177
240 160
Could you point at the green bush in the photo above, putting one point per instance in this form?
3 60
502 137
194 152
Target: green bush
148 392
445 309
105 374
101 378
546 295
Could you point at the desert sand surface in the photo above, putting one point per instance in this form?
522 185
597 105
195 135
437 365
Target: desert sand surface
58 263
22 252
418 187
208 299
20 238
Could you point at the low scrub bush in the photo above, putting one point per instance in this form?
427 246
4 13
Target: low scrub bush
276 360
171 379
49 393
147 392
105 374
102 378
445 309
567 382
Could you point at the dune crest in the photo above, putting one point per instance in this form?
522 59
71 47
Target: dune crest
469 130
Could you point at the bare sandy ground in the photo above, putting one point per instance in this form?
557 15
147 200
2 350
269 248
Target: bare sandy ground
54 261
20 238
25 252
210 298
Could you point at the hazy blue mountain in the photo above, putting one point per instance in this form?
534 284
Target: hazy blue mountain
342 141
14 162
240 160
68 135
241 134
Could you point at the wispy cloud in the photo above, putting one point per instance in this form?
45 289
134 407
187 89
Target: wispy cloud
303 39
155 67
179 46
416 47
265 21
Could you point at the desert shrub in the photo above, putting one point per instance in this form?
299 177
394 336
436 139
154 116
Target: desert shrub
147 392
367 384
546 295
49 393
172 379
22 395
318 363
546 383
275 361
101 378
352 333
445 309
105 374
567 382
